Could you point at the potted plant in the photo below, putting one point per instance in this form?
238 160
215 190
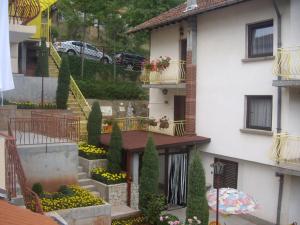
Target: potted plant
107 125
164 122
152 122
163 63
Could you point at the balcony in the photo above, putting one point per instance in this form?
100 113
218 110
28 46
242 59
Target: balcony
287 66
286 149
167 127
173 76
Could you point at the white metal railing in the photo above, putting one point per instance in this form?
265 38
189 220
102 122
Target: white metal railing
287 63
174 74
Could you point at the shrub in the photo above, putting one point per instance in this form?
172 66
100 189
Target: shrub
155 205
105 177
42 69
91 152
38 189
80 198
149 174
135 220
165 219
65 190
63 84
94 124
114 154
197 205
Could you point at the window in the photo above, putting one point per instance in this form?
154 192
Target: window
229 177
77 43
260 39
259 112
91 48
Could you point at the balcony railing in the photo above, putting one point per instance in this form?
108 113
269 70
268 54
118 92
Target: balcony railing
286 148
287 63
174 74
23 11
173 128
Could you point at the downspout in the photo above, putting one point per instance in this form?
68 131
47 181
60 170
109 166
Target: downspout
279 104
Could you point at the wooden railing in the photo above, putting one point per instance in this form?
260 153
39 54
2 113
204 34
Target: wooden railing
174 74
84 105
14 173
23 11
287 63
286 148
45 129
174 128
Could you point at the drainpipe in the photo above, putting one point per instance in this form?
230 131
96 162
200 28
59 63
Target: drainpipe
279 103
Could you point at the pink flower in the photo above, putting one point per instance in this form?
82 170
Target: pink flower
161 218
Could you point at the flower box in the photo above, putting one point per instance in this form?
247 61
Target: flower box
88 165
115 194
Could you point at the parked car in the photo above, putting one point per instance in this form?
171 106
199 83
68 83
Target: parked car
129 60
75 48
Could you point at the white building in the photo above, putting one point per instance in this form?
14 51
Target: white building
235 50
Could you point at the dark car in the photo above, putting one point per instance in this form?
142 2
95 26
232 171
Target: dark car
129 60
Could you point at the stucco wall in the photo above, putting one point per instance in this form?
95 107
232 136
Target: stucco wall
51 165
29 89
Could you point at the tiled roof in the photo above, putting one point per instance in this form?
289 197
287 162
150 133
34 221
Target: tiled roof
135 141
178 13
13 215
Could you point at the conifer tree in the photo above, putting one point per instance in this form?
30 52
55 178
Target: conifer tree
196 195
63 84
149 174
94 124
114 155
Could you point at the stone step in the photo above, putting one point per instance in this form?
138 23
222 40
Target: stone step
80 169
82 175
18 201
89 187
86 181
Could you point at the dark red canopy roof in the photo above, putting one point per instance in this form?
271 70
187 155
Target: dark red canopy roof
136 140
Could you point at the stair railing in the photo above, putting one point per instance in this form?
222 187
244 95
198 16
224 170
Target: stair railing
79 97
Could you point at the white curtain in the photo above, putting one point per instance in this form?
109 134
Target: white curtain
177 179
6 79
260 112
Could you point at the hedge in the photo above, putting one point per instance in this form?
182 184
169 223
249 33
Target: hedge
94 70
111 90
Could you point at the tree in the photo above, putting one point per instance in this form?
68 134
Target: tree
63 84
114 155
94 124
196 195
42 69
149 174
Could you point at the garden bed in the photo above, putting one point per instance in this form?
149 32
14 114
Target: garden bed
89 165
91 152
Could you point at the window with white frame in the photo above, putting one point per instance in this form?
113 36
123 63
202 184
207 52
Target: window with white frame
260 39
259 112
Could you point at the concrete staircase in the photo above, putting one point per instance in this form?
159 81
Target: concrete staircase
76 111
86 182
53 70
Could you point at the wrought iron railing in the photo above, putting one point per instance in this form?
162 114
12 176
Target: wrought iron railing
173 128
286 148
45 129
14 173
174 74
23 11
79 97
287 63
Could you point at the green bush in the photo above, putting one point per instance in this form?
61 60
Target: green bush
111 90
149 174
114 154
155 205
196 195
95 70
42 69
94 124
63 84
65 190
38 189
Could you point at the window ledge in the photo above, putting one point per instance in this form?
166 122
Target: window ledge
257 59
255 131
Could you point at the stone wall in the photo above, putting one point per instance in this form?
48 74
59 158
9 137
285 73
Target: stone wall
115 194
134 196
88 165
30 89
119 107
92 215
